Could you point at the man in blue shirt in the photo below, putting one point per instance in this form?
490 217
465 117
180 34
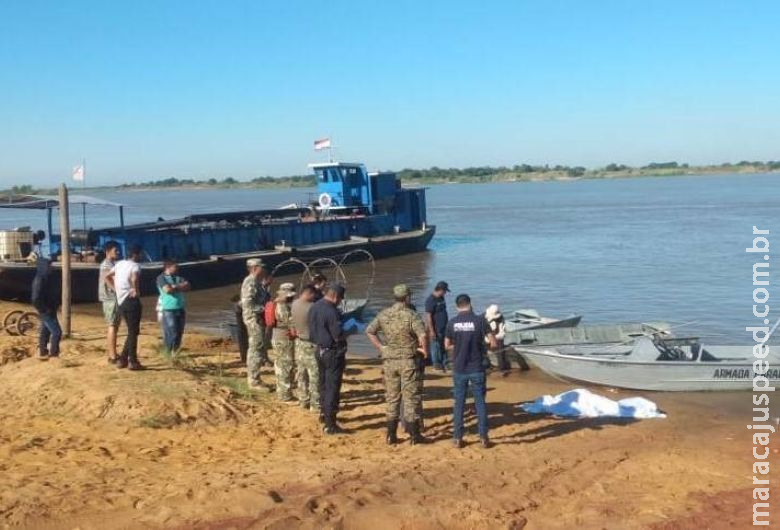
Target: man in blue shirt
171 288
465 336
436 322
326 333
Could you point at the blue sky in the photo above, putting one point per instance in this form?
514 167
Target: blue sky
205 89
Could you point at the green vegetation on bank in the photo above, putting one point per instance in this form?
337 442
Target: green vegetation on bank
436 175
526 172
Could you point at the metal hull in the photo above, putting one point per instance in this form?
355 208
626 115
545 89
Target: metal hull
16 278
594 335
667 376
552 324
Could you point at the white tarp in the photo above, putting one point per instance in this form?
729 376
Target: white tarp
585 404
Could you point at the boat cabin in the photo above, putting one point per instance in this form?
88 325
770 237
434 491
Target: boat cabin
343 185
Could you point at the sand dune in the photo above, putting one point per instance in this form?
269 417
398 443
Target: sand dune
186 445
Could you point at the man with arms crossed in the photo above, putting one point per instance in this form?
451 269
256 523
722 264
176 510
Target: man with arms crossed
465 335
107 296
172 287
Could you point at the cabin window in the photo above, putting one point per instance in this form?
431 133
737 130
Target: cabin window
332 174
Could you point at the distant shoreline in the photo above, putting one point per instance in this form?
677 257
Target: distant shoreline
436 176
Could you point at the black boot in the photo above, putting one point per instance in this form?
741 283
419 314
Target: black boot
392 428
415 432
134 365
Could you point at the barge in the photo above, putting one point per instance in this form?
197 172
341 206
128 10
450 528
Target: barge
353 210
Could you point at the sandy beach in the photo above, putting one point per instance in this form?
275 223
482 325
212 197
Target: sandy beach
185 445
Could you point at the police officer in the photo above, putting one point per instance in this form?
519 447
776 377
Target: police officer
404 337
284 347
326 333
252 305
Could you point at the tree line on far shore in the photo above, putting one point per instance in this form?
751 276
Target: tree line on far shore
436 175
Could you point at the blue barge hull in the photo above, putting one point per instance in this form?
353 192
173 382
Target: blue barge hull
217 271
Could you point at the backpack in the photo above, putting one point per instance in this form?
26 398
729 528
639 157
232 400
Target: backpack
269 314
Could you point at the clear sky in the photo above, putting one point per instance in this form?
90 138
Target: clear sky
146 90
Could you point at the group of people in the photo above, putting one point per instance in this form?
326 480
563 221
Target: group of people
407 344
307 338
305 334
119 292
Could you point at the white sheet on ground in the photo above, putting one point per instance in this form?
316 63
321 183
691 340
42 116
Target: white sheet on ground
586 404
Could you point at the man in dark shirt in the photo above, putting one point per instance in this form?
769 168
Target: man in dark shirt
465 335
46 300
319 281
264 296
436 322
326 333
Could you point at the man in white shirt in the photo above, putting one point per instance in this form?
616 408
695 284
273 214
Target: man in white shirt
126 277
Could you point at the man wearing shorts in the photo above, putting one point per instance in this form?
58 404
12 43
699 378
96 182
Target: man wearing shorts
107 296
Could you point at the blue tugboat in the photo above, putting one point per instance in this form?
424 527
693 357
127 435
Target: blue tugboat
352 210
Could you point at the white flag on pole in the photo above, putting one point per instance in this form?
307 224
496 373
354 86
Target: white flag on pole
322 143
78 173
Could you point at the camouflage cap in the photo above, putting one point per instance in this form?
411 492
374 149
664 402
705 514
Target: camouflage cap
401 290
284 294
254 262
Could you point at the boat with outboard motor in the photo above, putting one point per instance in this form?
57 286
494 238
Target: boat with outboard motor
654 363
354 210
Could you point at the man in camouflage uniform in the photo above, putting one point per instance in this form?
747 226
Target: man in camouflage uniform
306 352
252 305
284 347
404 337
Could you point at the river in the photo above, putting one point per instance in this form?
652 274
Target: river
643 249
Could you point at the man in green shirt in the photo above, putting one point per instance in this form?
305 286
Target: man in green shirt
172 288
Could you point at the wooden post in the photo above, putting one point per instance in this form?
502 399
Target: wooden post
65 258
